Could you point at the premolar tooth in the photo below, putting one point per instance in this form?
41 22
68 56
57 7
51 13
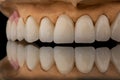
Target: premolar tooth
13 31
102 29
46 57
64 59
84 58
8 29
46 30
103 56
32 58
116 57
116 29
31 30
64 30
84 30
20 29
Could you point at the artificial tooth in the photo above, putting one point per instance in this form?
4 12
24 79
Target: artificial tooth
102 29
46 30
64 59
116 57
13 31
46 57
31 30
20 29
116 29
8 29
32 58
64 30
84 30
103 56
84 58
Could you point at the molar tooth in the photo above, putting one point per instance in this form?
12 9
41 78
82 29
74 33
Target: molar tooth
103 56
102 29
13 31
20 29
64 30
116 29
64 59
84 58
8 29
46 30
46 57
84 30
31 30
32 58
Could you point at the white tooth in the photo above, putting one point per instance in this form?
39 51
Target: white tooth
102 29
84 58
46 57
32 56
116 56
84 30
31 30
20 29
8 48
116 29
64 59
21 55
8 30
46 30
103 56
13 31
64 30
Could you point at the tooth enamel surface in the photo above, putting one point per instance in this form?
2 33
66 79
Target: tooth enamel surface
103 56
8 30
64 59
116 29
84 30
64 30
46 57
116 56
20 29
46 30
31 30
13 31
84 58
8 48
102 29
32 58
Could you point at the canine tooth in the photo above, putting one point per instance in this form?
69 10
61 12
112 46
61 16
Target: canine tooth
46 57
116 57
31 30
46 30
84 30
8 29
13 31
103 56
84 58
64 59
102 29
64 30
32 58
20 29
116 29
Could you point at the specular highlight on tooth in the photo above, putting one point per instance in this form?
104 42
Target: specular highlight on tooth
102 29
46 30
8 29
31 30
84 30
103 56
46 57
13 31
64 59
64 30
84 58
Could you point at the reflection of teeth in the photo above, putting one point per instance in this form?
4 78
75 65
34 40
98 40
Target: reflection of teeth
63 24
46 57
103 56
84 58
32 58
116 56
8 30
116 29
20 29
64 58
46 30
13 31
84 30
102 29
31 30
